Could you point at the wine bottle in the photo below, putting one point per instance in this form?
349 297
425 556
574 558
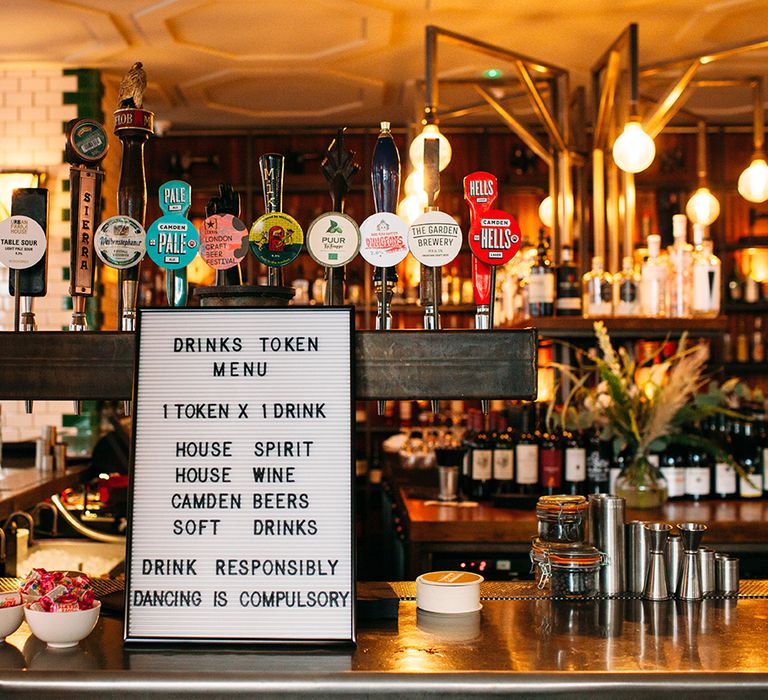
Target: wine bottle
598 463
575 464
526 456
551 462
481 470
568 301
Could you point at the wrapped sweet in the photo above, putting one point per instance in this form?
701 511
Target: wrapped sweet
10 599
57 591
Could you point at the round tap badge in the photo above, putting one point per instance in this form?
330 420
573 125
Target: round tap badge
223 241
494 237
172 242
119 242
22 242
384 239
435 238
333 239
87 141
276 239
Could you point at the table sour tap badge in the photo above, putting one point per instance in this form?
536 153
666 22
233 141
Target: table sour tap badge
241 522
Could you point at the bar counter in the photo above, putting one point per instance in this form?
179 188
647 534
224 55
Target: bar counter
520 642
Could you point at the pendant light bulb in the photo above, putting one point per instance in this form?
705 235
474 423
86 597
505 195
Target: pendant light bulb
414 183
633 150
412 207
753 182
703 207
546 212
416 150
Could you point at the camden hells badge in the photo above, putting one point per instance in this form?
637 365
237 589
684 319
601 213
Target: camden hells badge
333 239
276 239
120 242
384 239
494 237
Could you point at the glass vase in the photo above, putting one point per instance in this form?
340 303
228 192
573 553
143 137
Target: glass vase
641 484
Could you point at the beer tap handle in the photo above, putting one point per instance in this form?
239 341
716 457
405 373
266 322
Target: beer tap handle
431 276
338 168
385 182
133 126
272 166
227 202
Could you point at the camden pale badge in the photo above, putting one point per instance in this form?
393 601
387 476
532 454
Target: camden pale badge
120 242
172 240
333 239
276 239
384 239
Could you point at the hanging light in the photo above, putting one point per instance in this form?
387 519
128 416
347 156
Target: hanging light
753 182
411 208
546 212
10 181
633 150
416 150
414 184
703 207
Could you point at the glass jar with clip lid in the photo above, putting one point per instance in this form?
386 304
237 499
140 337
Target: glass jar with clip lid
562 518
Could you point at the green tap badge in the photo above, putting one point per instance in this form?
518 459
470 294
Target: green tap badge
172 240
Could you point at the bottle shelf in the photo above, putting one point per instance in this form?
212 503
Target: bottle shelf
404 308
735 369
572 327
745 307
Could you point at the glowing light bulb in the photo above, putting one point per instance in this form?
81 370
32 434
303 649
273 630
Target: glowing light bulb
546 212
416 150
753 182
703 207
633 150
414 183
411 208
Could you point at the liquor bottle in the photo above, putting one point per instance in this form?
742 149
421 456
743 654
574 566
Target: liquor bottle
735 286
468 442
481 465
541 281
626 290
654 281
698 475
751 290
598 291
445 288
617 465
727 347
698 238
551 464
301 285
706 282
750 459
758 344
503 458
598 463
742 342
568 301
681 259
318 288
671 464
762 441
526 455
575 468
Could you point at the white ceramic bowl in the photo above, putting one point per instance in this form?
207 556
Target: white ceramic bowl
62 629
10 619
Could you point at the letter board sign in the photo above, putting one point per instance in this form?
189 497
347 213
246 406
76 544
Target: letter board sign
241 520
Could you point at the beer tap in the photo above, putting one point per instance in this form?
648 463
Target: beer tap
480 191
494 238
133 126
276 238
430 284
30 282
227 202
384 236
86 147
338 168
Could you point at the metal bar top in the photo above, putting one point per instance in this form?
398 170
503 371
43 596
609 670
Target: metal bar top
624 648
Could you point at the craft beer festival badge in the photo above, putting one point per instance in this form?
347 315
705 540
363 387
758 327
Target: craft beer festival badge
172 240
223 241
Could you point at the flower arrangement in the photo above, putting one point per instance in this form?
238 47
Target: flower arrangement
645 406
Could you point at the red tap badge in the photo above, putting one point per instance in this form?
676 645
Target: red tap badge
480 191
494 237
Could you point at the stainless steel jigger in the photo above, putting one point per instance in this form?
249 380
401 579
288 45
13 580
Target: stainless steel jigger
689 585
656 579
